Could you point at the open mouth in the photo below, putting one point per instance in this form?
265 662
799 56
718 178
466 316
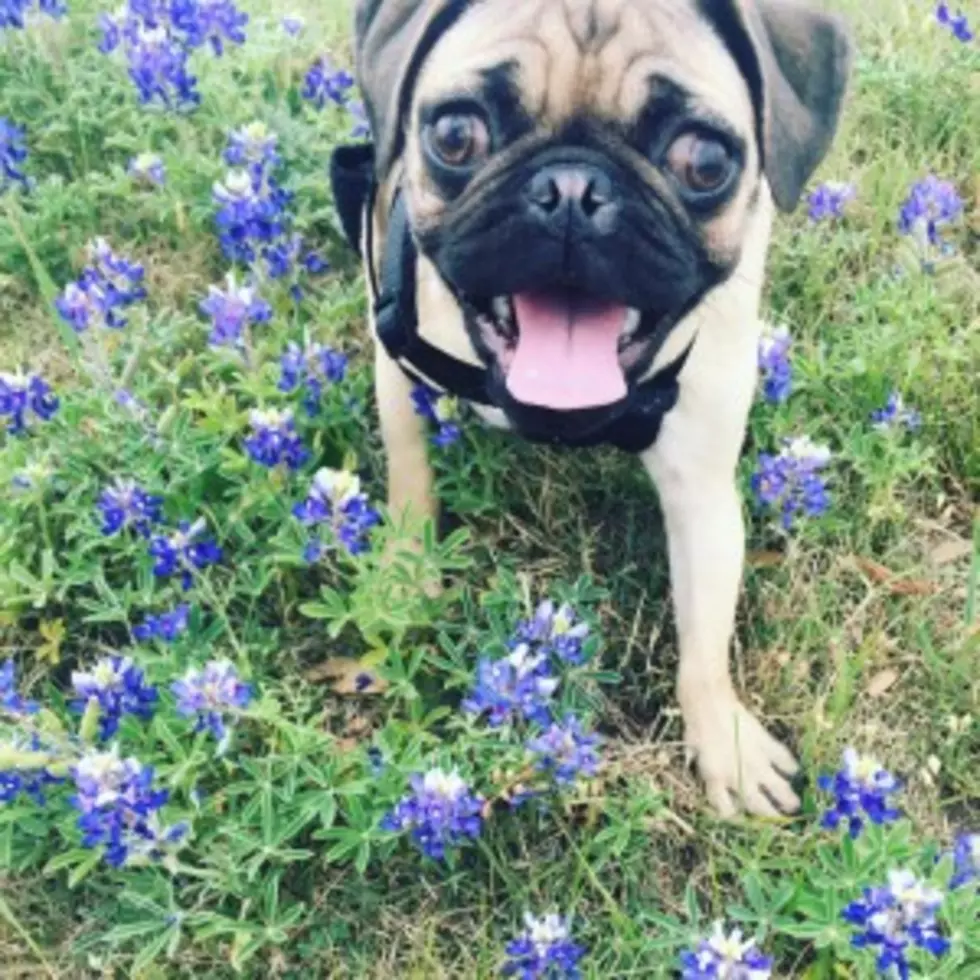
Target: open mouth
561 349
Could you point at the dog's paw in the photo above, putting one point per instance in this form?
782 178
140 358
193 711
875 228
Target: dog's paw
742 765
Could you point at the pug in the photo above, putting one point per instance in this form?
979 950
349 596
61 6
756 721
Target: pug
564 218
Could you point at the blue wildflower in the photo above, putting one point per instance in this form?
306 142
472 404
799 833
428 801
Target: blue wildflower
931 205
210 22
10 701
895 917
23 395
440 409
108 285
313 367
725 956
181 552
293 24
966 861
829 200
517 687
119 809
360 126
566 751
13 152
861 788
544 950
13 13
29 782
336 500
791 482
274 439
251 213
324 83
119 687
253 145
156 57
957 23
774 363
896 415
212 695
554 632
441 812
232 310
125 504
148 168
166 626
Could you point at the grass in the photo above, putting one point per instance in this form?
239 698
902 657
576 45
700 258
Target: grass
861 628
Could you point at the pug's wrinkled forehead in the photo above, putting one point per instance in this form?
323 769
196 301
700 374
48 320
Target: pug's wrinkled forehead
558 60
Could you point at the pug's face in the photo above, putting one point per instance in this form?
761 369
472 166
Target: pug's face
580 181
582 173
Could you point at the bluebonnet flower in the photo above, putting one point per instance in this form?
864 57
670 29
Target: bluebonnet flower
566 750
181 552
544 950
895 917
125 504
441 812
166 626
554 632
725 956
274 439
283 256
155 56
861 788
119 687
34 476
517 687
896 414
376 760
232 310
23 395
957 23
440 409
966 861
829 200
148 168
10 701
791 481
108 285
932 204
212 695
118 808
253 145
14 13
335 499
293 24
13 152
360 126
325 83
774 363
251 213
312 366
31 782
210 22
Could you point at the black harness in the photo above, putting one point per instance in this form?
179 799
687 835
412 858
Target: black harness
632 426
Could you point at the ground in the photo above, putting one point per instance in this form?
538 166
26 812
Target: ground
860 628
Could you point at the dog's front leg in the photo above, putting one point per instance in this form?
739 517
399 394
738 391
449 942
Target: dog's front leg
411 495
694 470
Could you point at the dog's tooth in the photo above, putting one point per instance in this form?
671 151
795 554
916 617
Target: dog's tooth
501 308
631 323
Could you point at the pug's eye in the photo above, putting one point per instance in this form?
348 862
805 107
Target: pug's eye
703 165
458 139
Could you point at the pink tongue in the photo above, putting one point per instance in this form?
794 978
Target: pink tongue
567 352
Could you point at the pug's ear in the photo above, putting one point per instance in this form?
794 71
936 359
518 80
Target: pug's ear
392 39
797 61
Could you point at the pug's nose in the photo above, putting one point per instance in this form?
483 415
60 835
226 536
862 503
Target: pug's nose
562 194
